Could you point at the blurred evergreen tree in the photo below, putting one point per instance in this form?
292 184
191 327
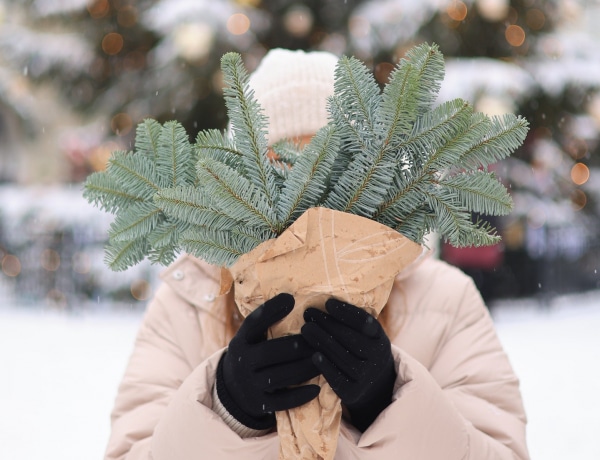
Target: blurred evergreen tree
132 59
119 61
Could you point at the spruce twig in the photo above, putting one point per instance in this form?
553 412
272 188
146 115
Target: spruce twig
386 155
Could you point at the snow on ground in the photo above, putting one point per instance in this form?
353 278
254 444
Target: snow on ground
58 378
555 351
59 374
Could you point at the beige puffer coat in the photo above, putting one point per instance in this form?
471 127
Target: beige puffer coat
460 399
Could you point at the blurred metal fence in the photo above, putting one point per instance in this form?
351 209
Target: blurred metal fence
51 251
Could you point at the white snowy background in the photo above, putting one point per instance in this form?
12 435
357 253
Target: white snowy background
59 374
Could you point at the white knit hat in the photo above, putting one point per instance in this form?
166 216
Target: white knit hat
292 88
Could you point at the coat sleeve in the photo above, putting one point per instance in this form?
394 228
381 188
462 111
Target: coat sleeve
189 427
163 409
156 368
465 406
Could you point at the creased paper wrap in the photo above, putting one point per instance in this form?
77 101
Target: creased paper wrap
324 254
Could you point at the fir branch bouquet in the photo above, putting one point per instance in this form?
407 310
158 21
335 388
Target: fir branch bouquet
389 156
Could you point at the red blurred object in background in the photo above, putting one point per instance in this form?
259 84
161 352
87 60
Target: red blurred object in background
482 258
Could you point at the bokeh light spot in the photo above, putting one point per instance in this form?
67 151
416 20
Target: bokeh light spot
121 124
134 60
193 41
383 71
577 148
218 81
493 10
100 155
127 16
359 27
457 11
112 43
248 2
298 21
536 217
535 19
578 200
11 265
515 35
238 24
140 289
580 173
98 9
82 263
50 260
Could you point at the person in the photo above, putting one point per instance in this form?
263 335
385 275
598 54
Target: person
427 379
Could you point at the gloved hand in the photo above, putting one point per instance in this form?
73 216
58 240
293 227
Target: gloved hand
354 355
254 373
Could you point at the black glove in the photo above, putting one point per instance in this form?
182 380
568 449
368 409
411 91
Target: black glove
254 373
354 355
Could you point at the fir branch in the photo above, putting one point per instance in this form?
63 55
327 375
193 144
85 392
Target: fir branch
104 192
287 151
358 94
398 109
432 131
428 61
479 191
249 126
479 126
308 178
454 224
505 135
190 204
135 222
370 167
163 240
351 142
135 173
450 129
352 109
166 234
404 199
147 135
215 144
175 161
484 234
282 156
120 255
412 89
252 235
415 224
163 255
451 222
350 131
235 195
215 246
362 188
282 172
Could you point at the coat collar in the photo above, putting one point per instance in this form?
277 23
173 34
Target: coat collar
194 280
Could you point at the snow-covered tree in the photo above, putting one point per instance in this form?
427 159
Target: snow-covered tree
77 76
114 63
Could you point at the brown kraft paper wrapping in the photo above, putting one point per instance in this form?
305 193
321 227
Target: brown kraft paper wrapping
324 254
